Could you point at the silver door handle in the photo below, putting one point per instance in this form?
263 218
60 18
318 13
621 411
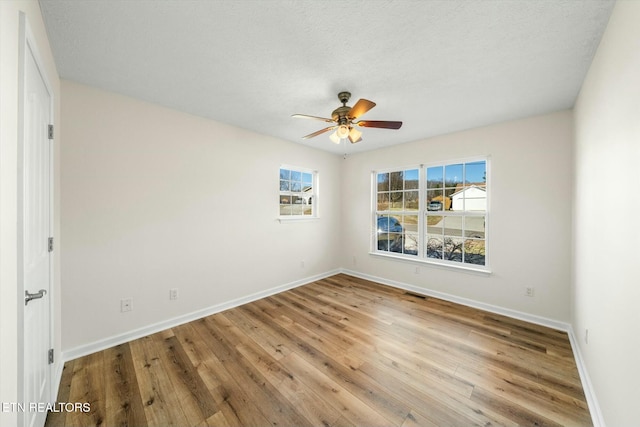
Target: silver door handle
28 297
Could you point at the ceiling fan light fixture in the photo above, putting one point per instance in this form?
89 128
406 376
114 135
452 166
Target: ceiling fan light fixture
354 135
342 131
335 138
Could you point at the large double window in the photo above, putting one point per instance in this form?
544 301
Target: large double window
434 213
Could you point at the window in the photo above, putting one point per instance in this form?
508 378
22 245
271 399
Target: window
397 211
297 193
435 213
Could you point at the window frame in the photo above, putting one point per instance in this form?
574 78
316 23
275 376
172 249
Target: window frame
423 213
314 196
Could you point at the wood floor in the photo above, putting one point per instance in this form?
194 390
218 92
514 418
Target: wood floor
338 352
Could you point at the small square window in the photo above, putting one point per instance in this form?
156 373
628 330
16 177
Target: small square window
298 193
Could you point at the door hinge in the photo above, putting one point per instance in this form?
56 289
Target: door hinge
50 244
50 131
50 356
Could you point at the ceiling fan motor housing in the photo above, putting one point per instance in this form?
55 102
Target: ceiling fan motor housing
339 115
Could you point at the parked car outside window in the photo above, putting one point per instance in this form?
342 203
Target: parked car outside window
390 234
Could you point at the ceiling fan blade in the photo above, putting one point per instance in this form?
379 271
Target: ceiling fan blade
361 107
379 124
319 132
304 116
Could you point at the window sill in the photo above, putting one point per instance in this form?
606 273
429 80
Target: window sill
485 271
285 219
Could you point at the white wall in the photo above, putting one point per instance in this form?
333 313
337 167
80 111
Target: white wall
9 298
606 206
530 223
154 199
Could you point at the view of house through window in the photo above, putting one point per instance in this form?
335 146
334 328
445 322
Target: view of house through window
297 192
435 213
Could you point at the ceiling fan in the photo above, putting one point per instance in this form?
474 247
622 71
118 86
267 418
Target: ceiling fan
343 120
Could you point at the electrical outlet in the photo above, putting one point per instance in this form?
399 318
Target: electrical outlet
586 336
302 264
417 270
173 294
530 292
126 304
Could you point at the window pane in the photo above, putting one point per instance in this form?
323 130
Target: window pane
453 175
285 200
453 226
411 179
410 224
435 177
474 252
383 201
411 200
383 182
307 179
284 185
285 205
296 176
435 224
453 248
296 186
434 246
397 181
383 223
396 199
474 226
435 199
475 199
285 174
390 233
476 172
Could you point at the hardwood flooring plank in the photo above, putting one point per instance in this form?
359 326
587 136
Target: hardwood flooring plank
271 343
214 375
88 386
194 397
308 404
161 405
58 418
123 402
270 402
518 414
508 386
343 402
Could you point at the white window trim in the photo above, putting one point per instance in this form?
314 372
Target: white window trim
420 258
315 206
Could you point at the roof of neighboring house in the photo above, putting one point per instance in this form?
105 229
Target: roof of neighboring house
464 187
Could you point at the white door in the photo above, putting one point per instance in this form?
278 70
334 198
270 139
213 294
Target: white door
36 230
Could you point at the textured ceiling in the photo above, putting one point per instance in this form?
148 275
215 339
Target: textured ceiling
438 66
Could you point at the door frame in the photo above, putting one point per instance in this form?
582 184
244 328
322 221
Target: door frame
28 46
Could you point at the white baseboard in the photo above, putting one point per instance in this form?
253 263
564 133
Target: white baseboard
105 343
531 318
594 408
